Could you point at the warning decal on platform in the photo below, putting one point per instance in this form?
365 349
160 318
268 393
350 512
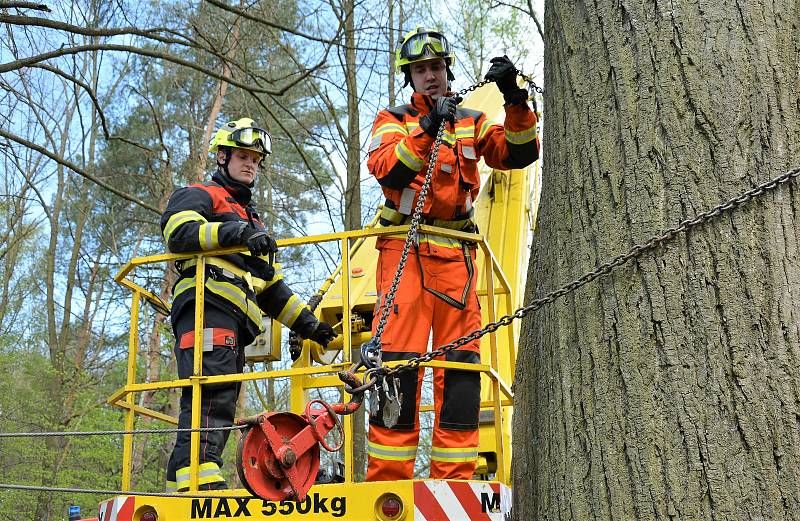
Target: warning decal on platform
117 509
457 500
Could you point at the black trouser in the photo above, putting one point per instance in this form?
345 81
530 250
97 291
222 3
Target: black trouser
221 355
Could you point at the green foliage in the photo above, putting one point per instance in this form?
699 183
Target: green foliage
83 462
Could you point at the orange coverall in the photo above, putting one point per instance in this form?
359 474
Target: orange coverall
398 156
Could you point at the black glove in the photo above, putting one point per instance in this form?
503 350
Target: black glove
314 301
445 109
323 334
257 241
295 345
504 74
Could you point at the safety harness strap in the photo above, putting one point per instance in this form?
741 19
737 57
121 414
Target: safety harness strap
254 283
391 217
459 305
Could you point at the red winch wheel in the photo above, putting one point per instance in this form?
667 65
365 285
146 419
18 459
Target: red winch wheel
278 456
268 475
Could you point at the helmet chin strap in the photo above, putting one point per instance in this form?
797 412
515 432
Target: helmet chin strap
225 162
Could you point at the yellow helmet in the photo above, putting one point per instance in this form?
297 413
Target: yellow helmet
422 44
242 133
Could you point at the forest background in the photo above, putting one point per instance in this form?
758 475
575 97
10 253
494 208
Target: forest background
105 108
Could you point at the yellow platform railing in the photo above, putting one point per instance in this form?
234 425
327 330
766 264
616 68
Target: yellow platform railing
308 376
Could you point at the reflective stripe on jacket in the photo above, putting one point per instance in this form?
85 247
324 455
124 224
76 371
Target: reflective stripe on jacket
399 151
206 216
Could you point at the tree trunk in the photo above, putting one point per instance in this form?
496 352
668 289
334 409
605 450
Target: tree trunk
55 348
352 210
216 106
668 389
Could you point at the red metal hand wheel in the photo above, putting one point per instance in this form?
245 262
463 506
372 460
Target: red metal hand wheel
273 463
278 455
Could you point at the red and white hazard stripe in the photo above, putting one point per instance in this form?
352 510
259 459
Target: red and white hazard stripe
117 509
437 500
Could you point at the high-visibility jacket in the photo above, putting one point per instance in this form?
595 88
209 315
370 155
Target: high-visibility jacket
399 151
398 155
210 215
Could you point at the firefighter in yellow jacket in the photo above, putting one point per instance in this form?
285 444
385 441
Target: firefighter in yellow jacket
437 290
238 289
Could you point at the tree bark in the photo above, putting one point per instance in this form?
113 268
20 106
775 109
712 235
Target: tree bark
352 198
352 219
668 389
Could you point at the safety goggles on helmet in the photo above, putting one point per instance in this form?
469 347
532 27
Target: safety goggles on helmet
242 133
421 44
250 136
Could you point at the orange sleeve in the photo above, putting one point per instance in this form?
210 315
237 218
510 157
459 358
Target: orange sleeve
512 145
396 156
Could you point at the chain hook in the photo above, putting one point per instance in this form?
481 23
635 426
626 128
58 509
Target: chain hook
532 86
371 353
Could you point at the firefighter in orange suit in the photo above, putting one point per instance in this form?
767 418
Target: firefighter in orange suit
437 288
238 290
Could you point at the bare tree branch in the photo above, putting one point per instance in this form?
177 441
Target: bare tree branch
95 102
150 33
529 11
17 161
219 96
303 156
75 168
25 5
157 122
63 51
94 31
263 21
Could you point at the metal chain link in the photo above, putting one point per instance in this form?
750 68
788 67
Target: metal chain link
112 433
605 268
531 84
471 88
